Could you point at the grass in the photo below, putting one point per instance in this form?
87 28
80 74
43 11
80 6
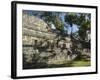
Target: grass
80 63
74 63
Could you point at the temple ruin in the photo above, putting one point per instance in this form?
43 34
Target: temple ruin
38 39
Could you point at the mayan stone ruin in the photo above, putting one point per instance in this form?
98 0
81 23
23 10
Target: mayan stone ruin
41 45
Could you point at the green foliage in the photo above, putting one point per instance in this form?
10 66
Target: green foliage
58 23
82 30
83 20
71 19
47 16
54 18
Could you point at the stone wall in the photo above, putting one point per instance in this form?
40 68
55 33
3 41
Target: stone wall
38 41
